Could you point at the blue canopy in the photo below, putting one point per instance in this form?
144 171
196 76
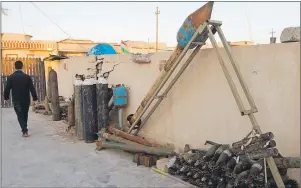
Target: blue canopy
102 49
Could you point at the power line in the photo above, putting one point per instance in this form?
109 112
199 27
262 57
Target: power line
54 23
249 23
21 18
157 23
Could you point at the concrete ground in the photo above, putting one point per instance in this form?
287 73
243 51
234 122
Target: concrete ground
52 158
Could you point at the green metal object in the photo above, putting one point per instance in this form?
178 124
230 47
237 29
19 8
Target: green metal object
133 148
117 139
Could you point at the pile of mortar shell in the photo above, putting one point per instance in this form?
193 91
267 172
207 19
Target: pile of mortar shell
219 167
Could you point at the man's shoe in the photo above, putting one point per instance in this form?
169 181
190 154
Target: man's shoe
25 135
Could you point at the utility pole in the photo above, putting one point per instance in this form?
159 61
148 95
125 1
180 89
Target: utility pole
272 32
148 45
272 39
157 23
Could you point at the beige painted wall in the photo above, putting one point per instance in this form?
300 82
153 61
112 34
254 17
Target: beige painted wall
201 106
75 65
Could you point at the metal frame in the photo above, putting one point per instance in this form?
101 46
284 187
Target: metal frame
250 113
203 28
178 60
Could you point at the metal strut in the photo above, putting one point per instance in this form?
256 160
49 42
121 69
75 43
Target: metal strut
199 31
250 113
210 28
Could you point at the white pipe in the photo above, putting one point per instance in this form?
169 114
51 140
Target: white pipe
120 118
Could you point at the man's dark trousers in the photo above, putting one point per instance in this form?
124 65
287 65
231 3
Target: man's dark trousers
22 114
21 85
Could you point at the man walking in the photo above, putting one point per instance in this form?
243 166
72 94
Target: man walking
20 84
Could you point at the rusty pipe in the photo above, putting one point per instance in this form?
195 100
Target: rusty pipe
133 138
114 138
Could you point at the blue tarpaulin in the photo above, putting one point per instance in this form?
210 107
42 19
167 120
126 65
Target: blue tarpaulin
102 49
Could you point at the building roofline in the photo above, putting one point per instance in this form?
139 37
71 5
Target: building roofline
16 34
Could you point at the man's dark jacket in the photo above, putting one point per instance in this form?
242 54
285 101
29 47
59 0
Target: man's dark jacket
20 84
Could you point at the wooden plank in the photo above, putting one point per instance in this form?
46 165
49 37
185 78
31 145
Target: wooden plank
11 66
38 76
28 62
31 75
5 67
25 67
35 77
42 78
4 83
2 89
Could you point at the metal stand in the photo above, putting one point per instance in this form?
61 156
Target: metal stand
210 27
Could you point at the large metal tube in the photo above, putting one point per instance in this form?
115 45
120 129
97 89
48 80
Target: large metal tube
287 162
71 112
54 93
134 148
263 137
263 153
89 110
196 19
256 146
79 130
102 105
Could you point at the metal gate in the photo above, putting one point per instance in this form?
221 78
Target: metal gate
34 67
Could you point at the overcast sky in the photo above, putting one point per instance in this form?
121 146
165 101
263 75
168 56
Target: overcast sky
113 22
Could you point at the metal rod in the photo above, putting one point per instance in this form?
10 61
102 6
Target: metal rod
120 118
226 72
269 160
111 104
236 69
171 84
275 172
215 22
197 49
178 60
265 171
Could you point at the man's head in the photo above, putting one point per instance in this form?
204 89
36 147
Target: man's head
18 65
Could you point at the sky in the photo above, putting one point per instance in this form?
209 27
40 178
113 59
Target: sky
116 21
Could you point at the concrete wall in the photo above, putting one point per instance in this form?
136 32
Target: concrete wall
15 36
201 106
74 65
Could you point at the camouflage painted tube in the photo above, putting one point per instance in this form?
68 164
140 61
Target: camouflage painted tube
264 153
288 162
256 146
133 148
263 137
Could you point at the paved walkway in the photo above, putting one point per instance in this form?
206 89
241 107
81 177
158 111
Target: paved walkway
52 158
